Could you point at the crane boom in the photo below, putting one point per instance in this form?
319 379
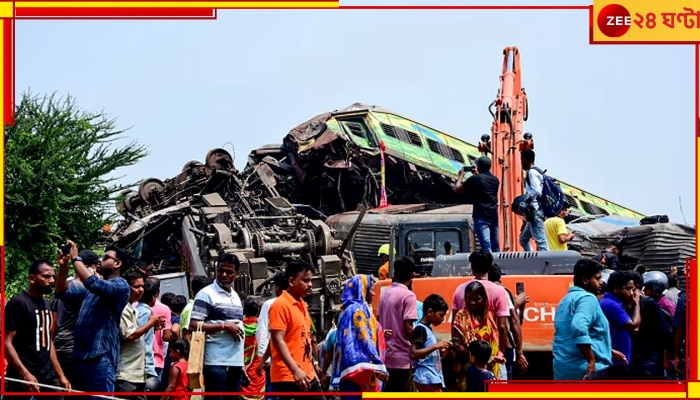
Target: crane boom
509 111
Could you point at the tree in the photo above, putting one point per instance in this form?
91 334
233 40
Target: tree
58 162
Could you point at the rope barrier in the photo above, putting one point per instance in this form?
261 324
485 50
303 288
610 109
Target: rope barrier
61 389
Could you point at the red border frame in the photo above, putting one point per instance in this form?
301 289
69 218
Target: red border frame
210 13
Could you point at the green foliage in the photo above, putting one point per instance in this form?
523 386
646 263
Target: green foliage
58 162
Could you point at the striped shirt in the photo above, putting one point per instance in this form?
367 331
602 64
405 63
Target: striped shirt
214 305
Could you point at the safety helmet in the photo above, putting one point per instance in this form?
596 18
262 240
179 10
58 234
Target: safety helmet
384 249
605 276
657 281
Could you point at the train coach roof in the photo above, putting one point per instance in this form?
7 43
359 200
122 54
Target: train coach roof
655 246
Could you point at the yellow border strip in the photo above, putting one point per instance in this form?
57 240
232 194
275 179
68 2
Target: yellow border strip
182 4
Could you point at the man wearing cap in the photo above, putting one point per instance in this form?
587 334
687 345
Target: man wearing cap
481 190
104 295
384 256
67 315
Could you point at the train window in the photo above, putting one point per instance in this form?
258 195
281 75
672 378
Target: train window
451 237
571 200
390 130
593 209
356 126
445 151
414 138
403 135
457 155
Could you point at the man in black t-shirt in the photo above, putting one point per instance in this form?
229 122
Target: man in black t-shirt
29 326
481 190
651 344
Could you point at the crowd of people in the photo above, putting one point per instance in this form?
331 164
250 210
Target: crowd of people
104 332
620 325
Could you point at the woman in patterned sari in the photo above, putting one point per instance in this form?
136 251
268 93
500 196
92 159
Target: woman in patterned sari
475 321
359 350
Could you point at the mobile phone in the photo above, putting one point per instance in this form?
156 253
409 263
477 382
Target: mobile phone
519 287
65 249
469 168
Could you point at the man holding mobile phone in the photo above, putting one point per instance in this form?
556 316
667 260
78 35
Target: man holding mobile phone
481 190
96 337
67 312
555 229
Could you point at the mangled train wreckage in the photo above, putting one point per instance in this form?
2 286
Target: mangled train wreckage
276 208
183 224
325 175
332 162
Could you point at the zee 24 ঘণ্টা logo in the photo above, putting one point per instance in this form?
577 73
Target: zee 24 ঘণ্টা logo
614 20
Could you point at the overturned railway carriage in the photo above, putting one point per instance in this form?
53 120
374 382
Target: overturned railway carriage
332 162
183 224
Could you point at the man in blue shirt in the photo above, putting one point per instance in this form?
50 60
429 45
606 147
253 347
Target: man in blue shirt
582 342
622 291
96 346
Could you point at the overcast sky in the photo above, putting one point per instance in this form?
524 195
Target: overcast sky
617 121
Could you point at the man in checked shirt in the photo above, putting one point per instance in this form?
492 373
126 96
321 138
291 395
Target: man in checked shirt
104 296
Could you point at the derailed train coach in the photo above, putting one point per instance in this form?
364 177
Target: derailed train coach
332 163
178 228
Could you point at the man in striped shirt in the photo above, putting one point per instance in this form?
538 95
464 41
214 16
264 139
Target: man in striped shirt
220 309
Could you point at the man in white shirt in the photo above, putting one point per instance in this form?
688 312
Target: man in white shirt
219 307
534 228
262 335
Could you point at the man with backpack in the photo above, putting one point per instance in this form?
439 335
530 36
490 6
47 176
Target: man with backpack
535 192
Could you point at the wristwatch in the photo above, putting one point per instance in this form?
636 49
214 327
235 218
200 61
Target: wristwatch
76 259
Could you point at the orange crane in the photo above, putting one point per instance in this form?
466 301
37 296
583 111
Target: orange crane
509 112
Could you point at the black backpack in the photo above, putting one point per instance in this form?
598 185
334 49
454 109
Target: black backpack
552 199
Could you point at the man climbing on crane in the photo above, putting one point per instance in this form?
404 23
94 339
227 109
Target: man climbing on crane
534 228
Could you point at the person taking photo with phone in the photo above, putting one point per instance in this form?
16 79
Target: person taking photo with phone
481 190
104 295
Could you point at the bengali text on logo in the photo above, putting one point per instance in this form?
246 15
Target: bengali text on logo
646 21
